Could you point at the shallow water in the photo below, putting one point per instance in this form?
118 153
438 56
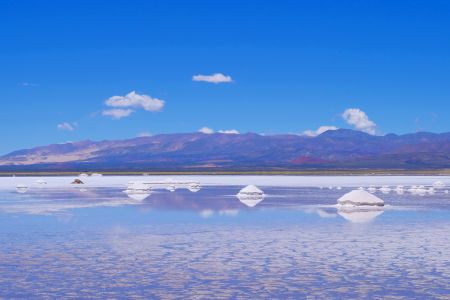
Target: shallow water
98 243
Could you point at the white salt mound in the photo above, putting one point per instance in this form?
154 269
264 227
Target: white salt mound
360 198
250 195
438 184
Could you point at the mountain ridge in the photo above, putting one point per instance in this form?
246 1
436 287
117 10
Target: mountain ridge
333 149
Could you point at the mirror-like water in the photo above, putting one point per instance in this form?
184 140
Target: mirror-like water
100 242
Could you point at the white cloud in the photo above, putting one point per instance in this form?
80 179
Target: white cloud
214 78
144 134
66 126
318 131
134 100
117 114
359 119
27 84
230 131
206 130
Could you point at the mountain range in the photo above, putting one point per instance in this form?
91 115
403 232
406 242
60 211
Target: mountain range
333 149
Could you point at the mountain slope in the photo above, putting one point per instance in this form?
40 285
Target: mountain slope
196 151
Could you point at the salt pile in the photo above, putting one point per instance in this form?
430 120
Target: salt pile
251 190
250 195
21 188
41 182
438 184
360 198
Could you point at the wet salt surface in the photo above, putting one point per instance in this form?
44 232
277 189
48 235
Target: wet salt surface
98 243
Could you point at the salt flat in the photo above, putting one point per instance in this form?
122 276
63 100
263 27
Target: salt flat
224 180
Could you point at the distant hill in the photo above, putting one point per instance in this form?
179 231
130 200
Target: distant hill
338 149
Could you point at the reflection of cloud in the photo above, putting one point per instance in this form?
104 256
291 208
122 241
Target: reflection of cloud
206 213
324 214
57 202
229 212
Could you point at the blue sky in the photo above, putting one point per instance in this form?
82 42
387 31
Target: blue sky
294 65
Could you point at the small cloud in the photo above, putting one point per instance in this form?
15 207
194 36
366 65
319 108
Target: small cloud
319 130
66 126
117 114
360 120
124 106
144 134
134 100
230 131
214 78
206 130
27 84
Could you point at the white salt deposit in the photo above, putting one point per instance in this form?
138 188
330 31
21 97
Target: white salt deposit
371 189
250 195
438 184
251 190
233 180
360 198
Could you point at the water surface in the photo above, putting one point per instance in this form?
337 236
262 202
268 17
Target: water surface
98 243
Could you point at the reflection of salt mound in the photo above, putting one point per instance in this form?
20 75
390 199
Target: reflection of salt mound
385 189
417 190
171 188
360 198
359 216
138 190
21 188
400 189
139 196
250 201
250 195
194 188
438 184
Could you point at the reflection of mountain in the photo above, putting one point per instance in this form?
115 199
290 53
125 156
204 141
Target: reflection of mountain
48 202
359 216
